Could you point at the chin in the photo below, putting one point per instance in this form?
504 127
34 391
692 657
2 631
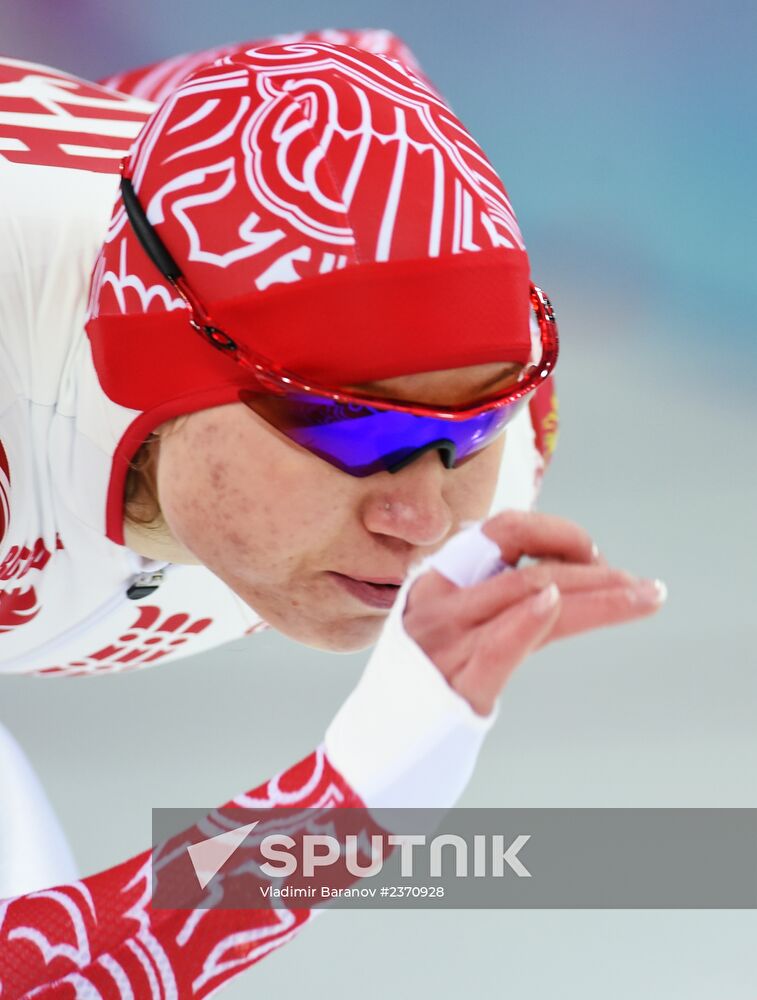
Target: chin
349 635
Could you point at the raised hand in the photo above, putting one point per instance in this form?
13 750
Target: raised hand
478 635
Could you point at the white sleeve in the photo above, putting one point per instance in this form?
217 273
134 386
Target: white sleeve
404 737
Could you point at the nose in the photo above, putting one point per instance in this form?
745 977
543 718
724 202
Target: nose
409 503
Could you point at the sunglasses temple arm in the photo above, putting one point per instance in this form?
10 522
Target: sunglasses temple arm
157 251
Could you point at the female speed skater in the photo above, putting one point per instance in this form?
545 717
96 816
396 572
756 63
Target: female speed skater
269 344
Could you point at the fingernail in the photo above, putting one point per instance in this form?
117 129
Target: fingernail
594 551
653 591
546 599
662 591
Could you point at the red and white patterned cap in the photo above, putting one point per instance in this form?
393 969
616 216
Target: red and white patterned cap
330 211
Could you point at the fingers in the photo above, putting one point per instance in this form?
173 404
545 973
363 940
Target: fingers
502 644
527 533
477 635
485 599
519 533
431 585
582 611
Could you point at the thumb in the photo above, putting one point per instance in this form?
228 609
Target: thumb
502 643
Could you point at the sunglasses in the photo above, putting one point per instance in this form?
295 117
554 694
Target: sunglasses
357 432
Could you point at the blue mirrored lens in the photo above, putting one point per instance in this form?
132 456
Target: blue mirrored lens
362 440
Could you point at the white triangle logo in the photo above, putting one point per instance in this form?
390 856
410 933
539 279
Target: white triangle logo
209 856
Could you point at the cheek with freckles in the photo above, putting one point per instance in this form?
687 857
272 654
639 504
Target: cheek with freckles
472 489
269 518
250 506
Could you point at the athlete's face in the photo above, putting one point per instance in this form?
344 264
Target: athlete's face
274 521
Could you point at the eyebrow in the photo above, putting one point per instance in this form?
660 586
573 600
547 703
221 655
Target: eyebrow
512 368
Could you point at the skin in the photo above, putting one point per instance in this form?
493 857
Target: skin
270 519
478 635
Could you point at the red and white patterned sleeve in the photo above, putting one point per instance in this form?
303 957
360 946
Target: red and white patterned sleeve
403 738
156 81
100 937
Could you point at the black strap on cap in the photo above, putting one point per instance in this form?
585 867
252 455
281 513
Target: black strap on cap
158 253
152 244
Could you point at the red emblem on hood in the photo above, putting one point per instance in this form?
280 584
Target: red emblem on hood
17 607
5 491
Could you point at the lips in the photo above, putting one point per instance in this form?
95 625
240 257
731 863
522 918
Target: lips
376 593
